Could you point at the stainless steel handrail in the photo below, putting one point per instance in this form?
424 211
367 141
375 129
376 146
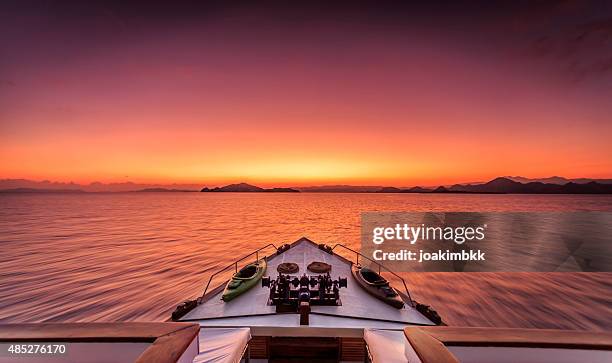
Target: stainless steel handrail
358 254
235 265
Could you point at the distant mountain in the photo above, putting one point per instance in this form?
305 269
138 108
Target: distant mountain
24 184
389 190
550 180
555 185
506 185
399 190
416 190
340 189
282 190
557 180
586 181
50 186
163 190
35 190
497 185
248 188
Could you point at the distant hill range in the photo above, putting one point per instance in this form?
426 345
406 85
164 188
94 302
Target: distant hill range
500 185
36 190
25 185
557 180
248 188
340 189
164 190
407 190
508 186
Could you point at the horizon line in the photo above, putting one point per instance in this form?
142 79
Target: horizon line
196 187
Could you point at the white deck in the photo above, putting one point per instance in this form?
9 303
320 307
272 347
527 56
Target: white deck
359 309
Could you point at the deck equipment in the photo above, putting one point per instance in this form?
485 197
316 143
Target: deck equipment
288 292
319 267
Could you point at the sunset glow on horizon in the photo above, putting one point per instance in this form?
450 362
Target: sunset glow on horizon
301 99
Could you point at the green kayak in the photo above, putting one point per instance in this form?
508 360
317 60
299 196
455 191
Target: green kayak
244 279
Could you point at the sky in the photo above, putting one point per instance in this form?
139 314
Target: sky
279 94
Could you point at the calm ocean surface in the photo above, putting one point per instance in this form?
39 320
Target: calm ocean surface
134 256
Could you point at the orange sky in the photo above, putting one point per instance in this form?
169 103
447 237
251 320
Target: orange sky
215 102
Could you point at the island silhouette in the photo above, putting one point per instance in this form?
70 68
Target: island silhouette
248 188
503 185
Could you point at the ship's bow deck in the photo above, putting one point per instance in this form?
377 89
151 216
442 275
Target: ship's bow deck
358 310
